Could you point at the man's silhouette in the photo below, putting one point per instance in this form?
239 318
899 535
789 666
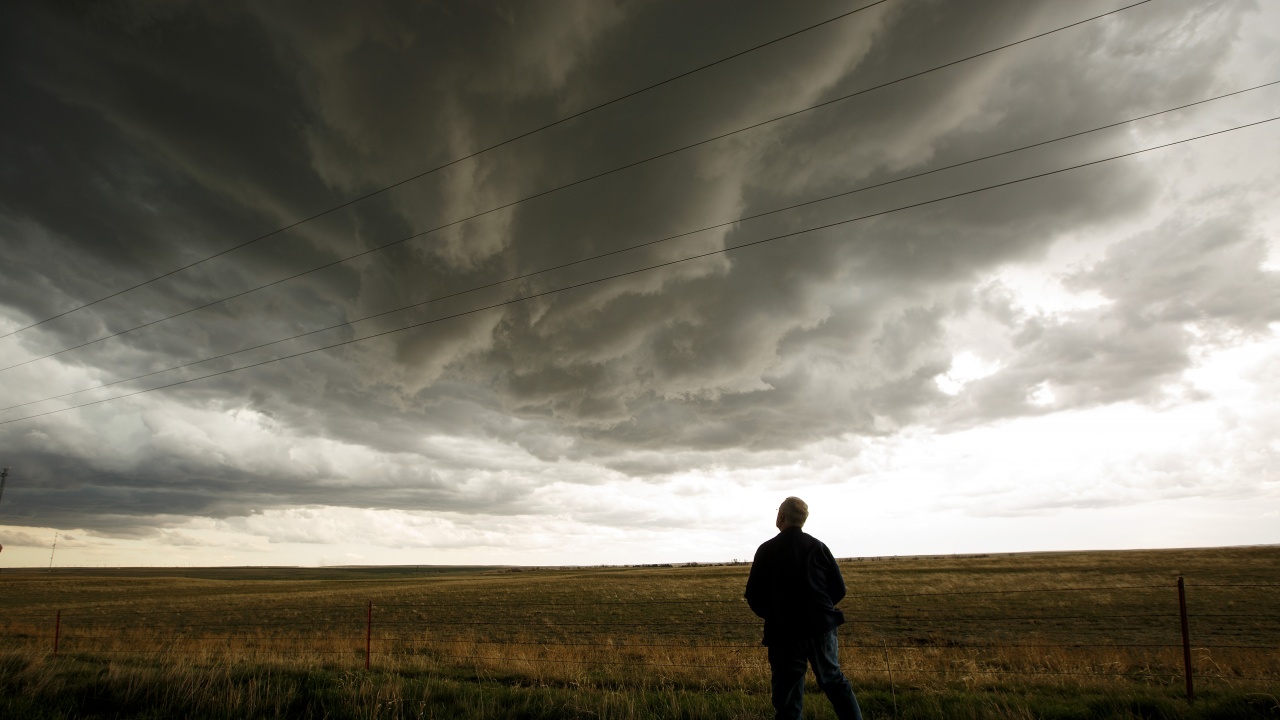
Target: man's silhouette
794 585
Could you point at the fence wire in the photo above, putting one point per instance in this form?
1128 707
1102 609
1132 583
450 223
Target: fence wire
546 633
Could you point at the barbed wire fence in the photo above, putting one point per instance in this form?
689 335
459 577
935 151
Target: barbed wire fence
1148 635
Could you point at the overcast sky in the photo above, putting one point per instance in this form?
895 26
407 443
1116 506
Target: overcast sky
1089 359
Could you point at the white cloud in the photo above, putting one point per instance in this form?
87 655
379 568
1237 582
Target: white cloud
965 368
1042 395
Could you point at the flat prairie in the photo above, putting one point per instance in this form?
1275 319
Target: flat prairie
1033 635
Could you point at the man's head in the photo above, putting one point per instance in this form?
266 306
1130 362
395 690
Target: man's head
792 513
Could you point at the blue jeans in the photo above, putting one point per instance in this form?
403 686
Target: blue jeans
791 660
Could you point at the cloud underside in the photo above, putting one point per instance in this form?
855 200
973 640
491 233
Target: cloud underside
736 359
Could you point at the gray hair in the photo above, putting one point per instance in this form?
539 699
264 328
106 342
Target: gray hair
794 511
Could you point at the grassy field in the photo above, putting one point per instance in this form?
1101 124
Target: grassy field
1061 635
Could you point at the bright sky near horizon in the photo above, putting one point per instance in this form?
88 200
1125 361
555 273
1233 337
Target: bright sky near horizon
1084 360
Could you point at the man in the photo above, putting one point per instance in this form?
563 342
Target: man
794 585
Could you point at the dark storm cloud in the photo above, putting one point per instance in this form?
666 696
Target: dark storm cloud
154 135
127 125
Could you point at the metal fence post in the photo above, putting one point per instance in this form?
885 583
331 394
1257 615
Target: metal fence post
57 631
893 693
1186 639
368 635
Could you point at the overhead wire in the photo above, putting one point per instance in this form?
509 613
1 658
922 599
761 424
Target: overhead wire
580 181
455 161
629 248
656 266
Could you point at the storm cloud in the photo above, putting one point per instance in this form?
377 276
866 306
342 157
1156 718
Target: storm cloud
145 137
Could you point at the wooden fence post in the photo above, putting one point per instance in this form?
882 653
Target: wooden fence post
57 631
1186 639
368 635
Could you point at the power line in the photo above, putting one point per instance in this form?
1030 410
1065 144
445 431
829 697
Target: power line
574 183
453 162
651 267
627 249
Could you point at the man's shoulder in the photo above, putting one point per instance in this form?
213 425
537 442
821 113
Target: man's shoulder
767 544
816 542
800 537
807 543
791 537
774 545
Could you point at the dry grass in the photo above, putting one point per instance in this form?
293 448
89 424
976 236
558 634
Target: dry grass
1003 636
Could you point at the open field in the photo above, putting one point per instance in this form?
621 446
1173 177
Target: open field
1061 635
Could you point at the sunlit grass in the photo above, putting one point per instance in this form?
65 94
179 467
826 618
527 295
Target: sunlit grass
1051 635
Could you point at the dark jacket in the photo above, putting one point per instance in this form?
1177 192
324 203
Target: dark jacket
794 585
